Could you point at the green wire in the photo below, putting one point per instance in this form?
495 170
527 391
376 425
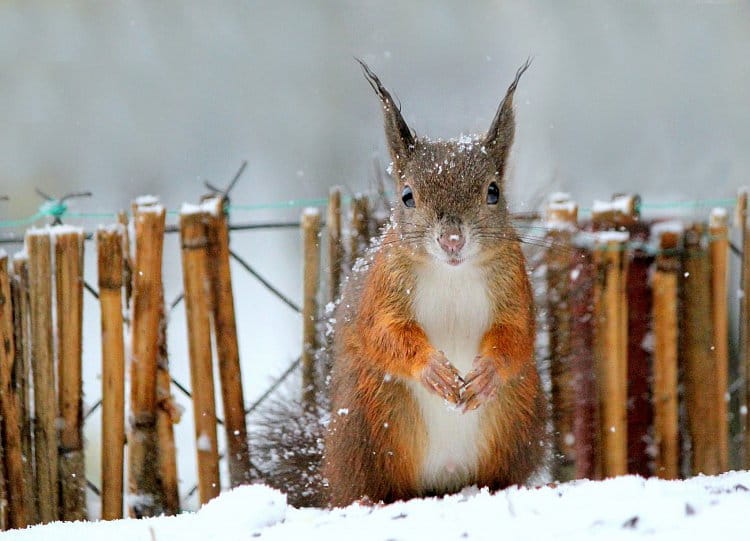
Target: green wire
57 209
22 221
698 203
292 203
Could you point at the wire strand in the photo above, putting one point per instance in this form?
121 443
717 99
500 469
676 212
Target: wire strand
58 208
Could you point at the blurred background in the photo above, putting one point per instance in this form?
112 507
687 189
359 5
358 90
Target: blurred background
125 98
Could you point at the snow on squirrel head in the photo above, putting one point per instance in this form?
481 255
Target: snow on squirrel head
450 204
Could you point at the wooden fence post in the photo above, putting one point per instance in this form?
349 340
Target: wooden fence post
700 361
4 507
611 341
42 364
744 361
163 449
719 248
359 229
610 350
664 285
3 494
585 422
22 340
195 279
9 407
622 214
227 348
335 247
127 262
109 242
167 415
68 246
146 494
311 278
561 220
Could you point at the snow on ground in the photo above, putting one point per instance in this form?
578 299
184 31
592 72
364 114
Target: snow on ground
621 508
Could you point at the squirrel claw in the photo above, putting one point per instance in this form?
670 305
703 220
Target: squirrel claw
481 384
442 378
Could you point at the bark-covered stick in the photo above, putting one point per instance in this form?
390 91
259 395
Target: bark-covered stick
359 228
610 351
335 246
744 362
700 375
146 495
585 422
311 279
664 285
22 340
127 261
635 331
227 348
197 287
167 415
109 244
68 246
719 250
561 222
621 213
611 328
3 494
10 414
38 247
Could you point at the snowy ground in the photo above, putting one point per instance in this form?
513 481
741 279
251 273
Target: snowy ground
622 508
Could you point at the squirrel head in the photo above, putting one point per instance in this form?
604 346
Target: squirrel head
450 201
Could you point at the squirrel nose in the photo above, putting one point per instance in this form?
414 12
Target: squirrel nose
451 241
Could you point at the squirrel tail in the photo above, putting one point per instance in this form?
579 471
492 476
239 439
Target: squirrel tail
287 440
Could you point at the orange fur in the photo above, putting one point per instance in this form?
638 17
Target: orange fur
375 449
512 422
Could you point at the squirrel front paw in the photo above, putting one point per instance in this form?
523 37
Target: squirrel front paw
442 378
481 384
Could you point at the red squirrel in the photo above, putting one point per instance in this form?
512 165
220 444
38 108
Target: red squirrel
434 385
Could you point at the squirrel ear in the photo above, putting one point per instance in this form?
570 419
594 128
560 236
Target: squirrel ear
398 135
499 137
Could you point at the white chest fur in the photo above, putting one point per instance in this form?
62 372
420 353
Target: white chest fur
452 306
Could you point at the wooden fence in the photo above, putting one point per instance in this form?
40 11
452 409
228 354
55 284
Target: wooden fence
638 318
637 314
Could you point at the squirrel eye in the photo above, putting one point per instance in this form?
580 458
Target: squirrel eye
493 194
408 198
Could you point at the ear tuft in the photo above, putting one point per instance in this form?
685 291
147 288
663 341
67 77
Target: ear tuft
399 137
499 137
